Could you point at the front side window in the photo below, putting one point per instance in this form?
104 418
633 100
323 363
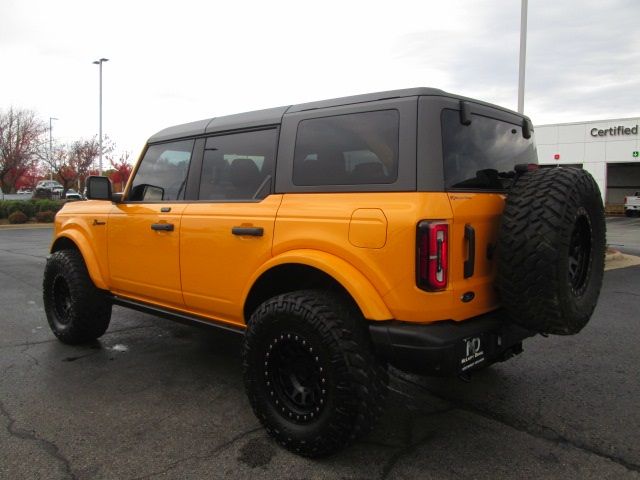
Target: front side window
353 149
482 155
238 166
162 175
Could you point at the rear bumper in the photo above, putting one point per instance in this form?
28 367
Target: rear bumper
447 347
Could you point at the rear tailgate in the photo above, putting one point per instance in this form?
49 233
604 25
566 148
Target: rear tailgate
473 237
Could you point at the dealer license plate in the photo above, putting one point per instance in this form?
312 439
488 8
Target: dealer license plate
473 352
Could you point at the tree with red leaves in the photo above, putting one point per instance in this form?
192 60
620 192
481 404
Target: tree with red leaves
30 177
21 138
72 163
121 171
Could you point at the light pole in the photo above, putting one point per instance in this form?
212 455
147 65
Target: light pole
523 54
100 62
51 147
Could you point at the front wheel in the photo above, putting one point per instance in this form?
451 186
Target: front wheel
310 373
76 310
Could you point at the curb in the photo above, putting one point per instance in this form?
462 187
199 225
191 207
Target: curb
613 255
615 259
26 226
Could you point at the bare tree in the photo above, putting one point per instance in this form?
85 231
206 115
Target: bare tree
21 138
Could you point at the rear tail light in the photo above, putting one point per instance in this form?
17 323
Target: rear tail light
432 242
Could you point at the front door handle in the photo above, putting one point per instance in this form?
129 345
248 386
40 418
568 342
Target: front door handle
251 231
162 227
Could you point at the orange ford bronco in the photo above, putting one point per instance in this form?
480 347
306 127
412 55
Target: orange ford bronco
410 228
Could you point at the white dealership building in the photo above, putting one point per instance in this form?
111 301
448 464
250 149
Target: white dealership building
608 149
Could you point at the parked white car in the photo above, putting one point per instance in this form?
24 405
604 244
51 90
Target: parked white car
49 185
632 204
73 195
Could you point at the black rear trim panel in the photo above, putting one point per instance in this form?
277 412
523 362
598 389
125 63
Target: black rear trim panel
438 348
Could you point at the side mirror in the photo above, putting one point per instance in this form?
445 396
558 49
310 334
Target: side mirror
98 188
152 193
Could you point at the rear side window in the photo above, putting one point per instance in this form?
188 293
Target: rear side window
481 156
162 175
238 166
353 149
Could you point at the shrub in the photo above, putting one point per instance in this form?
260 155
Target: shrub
47 205
18 217
23 206
10 206
29 207
46 216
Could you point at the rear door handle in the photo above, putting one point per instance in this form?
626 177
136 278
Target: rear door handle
162 227
470 262
251 231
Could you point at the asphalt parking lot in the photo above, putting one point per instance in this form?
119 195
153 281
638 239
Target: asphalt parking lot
154 399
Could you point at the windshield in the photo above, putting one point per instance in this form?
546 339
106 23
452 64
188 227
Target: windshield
481 156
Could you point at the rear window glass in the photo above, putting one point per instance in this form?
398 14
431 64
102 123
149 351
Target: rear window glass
353 149
482 155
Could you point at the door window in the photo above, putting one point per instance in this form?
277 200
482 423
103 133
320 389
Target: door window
162 175
238 166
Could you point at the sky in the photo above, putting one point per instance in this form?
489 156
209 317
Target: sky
180 61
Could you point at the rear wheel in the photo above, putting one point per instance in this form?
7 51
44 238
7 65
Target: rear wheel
551 250
310 374
76 310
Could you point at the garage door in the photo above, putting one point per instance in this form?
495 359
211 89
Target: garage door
622 179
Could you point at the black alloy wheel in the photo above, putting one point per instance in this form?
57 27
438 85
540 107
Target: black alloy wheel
295 377
62 299
580 254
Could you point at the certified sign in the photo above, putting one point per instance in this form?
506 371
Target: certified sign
614 131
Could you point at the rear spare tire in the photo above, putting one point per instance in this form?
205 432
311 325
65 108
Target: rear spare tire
551 250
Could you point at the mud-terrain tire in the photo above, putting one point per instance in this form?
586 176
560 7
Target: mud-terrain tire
76 310
551 250
310 373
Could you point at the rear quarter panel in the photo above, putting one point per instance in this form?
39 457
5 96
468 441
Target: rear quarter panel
323 222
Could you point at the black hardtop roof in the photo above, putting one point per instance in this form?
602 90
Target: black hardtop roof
273 116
